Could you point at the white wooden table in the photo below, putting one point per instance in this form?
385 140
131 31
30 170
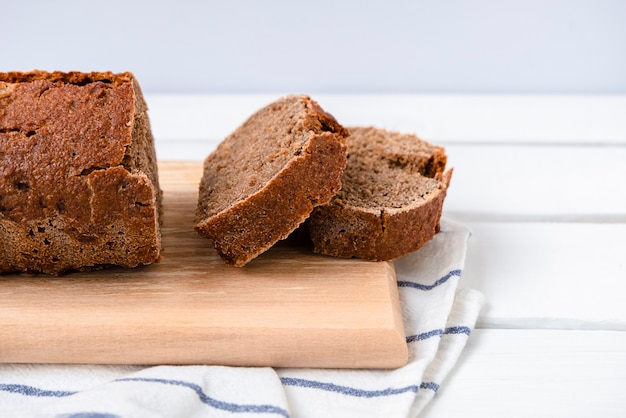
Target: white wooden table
541 181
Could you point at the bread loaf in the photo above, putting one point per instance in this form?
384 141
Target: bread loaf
78 175
390 203
264 179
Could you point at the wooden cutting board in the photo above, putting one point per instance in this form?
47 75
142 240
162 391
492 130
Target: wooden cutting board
287 308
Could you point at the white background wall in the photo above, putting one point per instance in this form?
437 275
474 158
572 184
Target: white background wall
187 46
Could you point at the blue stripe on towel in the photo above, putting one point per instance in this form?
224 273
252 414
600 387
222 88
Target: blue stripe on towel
346 390
430 385
438 333
33 391
420 286
206 399
424 335
458 330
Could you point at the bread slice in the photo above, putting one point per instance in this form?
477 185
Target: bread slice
390 203
265 178
78 175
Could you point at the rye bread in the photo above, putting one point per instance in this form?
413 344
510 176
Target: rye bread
264 179
78 175
390 203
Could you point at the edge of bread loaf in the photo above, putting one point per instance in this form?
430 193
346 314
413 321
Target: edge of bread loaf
136 172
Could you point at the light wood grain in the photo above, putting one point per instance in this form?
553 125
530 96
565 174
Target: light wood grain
287 308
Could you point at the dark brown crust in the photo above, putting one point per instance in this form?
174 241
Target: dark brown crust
250 227
72 77
348 232
79 183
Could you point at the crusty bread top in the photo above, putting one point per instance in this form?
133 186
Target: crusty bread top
72 77
53 127
259 149
389 169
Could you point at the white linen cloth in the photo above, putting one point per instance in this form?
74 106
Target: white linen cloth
439 316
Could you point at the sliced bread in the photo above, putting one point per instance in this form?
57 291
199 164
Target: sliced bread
390 203
264 179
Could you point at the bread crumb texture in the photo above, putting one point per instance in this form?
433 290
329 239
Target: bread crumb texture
264 179
78 176
390 203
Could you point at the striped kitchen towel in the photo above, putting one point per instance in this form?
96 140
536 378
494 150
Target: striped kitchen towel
439 316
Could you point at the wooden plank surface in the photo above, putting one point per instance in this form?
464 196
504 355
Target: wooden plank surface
548 275
538 182
536 373
288 308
